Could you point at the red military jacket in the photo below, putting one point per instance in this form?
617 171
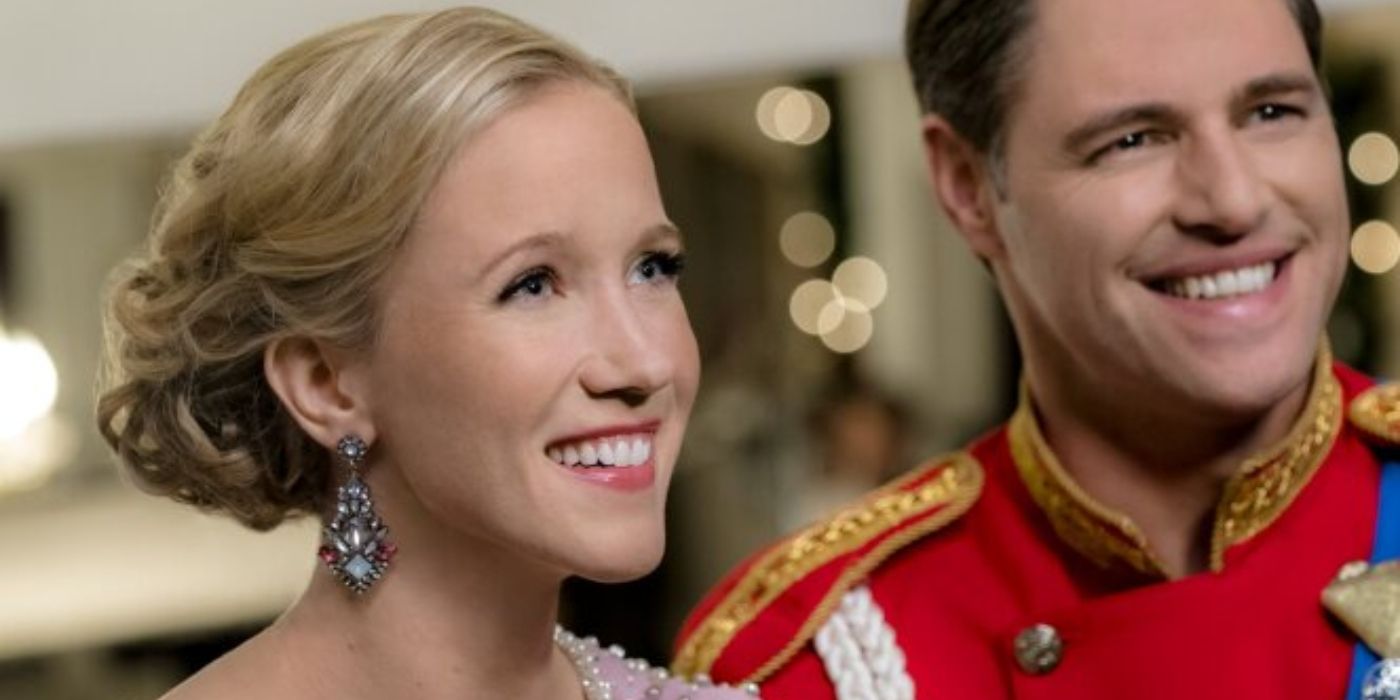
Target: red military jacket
972 551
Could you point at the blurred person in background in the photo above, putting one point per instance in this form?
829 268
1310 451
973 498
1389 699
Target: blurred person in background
417 281
858 435
1185 501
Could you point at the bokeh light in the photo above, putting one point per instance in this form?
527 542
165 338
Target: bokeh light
1375 247
847 326
861 279
808 302
807 239
30 383
1374 158
790 115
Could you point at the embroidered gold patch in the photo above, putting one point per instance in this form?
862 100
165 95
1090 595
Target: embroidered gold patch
956 483
1367 599
1377 412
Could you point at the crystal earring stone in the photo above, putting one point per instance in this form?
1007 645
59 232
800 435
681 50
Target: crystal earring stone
355 544
352 449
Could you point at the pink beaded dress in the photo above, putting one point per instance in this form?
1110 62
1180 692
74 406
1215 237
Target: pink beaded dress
609 675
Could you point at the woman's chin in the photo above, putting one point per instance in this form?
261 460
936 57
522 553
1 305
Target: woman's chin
622 562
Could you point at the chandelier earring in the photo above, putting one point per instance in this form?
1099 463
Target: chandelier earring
355 545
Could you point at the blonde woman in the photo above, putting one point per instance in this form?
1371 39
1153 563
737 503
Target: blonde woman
417 281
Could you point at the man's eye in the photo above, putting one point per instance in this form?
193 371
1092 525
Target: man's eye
1123 144
1134 140
1274 112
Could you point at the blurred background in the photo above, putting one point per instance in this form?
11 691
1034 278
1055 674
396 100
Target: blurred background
845 331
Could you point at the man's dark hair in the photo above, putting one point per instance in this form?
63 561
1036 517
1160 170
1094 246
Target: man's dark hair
964 56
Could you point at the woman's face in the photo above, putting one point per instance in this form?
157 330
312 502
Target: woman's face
532 326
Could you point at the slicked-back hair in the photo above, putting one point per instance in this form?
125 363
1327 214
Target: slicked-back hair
965 57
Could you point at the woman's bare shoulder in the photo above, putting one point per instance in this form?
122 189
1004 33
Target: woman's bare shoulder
258 668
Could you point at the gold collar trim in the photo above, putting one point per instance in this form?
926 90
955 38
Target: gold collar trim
1252 499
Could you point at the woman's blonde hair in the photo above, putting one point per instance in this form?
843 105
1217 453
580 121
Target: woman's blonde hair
281 221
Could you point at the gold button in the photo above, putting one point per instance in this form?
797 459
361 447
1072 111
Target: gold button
1039 649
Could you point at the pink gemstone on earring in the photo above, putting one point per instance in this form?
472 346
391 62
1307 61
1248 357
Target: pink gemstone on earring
387 551
327 555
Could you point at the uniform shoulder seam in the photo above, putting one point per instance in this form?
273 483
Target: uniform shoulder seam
946 486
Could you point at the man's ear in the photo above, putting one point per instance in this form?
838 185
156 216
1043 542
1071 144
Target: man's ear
964 186
319 389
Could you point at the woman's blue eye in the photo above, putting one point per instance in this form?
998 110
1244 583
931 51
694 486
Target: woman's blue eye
659 267
535 283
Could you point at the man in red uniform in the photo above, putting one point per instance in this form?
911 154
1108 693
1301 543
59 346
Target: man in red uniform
1157 189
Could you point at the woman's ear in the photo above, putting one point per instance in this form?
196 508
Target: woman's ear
964 185
320 389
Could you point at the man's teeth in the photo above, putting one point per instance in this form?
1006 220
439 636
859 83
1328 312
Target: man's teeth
610 452
1221 285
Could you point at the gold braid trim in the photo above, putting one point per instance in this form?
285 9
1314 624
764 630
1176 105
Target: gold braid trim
1268 483
954 490
963 481
1377 413
1252 499
1101 534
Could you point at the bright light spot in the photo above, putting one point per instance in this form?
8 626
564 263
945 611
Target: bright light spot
807 239
1374 158
28 460
1375 247
832 316
815 121
808 302
767 109
793 116
29 381
847 326
861 279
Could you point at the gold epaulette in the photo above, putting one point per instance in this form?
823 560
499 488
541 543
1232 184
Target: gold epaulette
1377 412
821 563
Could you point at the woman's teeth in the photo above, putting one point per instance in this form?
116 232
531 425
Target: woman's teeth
609 452
1222 285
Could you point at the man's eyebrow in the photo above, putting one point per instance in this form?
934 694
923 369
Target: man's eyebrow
1254 90
1275 84
1112 120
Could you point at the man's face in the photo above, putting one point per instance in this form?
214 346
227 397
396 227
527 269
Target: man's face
1173 222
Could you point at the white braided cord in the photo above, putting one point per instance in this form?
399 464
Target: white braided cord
858 649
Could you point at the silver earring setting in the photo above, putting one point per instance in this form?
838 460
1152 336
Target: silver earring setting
355 545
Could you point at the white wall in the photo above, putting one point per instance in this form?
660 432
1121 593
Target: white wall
87 68
84 67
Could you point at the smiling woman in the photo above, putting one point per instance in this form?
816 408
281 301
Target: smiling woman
417 281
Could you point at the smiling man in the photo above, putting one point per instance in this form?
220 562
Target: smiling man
1157 189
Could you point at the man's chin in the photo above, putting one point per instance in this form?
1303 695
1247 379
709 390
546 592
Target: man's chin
1249 387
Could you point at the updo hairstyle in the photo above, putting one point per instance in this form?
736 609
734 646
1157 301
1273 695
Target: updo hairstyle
281 222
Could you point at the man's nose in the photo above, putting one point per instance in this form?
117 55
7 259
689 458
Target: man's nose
1223 194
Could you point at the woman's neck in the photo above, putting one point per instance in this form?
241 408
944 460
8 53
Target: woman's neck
453 617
